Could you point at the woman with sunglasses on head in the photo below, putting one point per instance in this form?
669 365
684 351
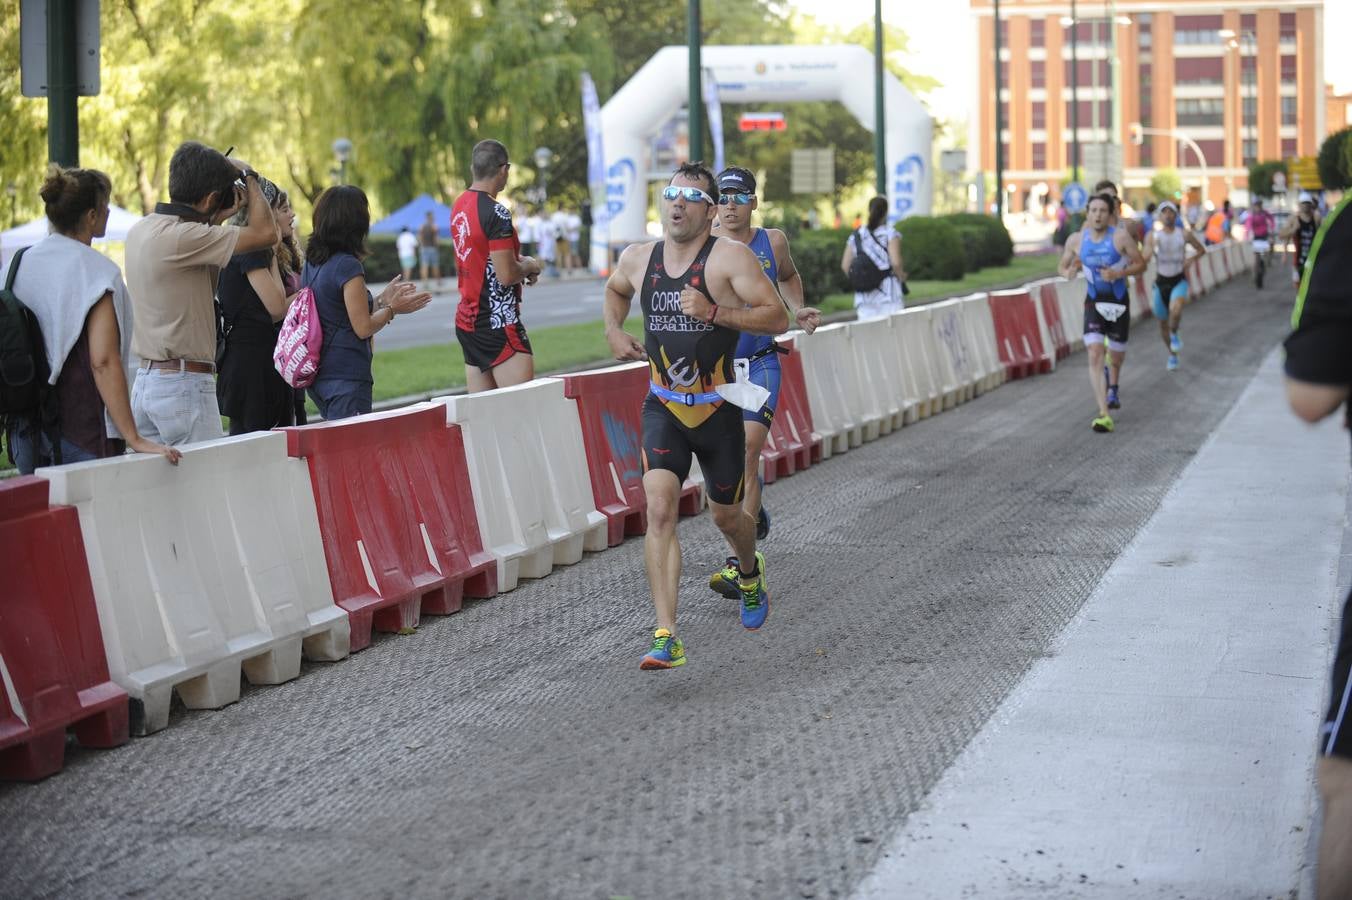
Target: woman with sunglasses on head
490 270
81 305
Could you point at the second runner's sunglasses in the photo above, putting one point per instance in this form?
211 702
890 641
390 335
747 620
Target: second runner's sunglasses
691 194
739 199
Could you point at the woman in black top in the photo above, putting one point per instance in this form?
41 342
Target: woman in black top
254 297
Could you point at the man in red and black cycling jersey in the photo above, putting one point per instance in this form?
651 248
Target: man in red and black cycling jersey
491 270
698 293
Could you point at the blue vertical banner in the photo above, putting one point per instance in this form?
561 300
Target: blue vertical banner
591 120
715 108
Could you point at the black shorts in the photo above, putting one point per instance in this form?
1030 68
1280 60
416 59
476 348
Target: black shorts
1335 738
490 347
1098 326
719 443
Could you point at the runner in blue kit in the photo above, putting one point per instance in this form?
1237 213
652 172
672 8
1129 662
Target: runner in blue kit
698 293
1107 255
736 203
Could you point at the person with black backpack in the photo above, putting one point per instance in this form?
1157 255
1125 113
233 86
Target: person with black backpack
65 337
873 266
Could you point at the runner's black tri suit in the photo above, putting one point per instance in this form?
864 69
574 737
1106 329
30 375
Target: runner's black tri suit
683 416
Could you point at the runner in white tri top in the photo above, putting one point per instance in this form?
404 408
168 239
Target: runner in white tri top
1168 244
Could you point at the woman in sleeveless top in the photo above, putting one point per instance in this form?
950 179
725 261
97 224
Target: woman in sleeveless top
881 244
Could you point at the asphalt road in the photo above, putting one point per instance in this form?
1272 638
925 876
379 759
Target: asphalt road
515 750
553 301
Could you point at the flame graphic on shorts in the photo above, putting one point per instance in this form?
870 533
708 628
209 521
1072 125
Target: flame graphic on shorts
687 379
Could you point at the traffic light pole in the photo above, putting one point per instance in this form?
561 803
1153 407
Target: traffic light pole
879 108
1074 94
63 121
696 82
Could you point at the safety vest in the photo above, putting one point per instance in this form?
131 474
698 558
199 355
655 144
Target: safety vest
1215 227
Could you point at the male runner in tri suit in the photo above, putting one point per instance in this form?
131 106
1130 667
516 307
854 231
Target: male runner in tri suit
1302 226
1169 245
736 202
698 293
1100 250
490 270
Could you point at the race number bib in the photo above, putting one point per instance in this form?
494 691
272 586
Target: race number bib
1111 312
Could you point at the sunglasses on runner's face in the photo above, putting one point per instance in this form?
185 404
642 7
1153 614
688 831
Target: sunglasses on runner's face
739 199
690 194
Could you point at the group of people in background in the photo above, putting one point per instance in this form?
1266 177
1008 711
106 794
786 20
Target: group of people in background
559 237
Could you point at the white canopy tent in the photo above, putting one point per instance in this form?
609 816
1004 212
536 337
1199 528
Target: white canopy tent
119 223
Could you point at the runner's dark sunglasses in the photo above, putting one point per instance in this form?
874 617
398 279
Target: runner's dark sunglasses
739 199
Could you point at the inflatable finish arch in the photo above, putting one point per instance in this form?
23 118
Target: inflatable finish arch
756 74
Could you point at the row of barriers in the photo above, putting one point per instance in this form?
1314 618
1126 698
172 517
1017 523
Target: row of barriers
128 581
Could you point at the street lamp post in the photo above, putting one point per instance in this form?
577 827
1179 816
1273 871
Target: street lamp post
342 151
696 80
1248 40
1073 21
879 134
999 125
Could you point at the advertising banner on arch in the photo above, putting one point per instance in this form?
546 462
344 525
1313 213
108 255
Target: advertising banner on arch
591 120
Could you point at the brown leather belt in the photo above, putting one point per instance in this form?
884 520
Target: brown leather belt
180 365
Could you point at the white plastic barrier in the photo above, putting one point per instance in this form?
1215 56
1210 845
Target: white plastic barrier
981 332
1207 272
881 372
843 413
1138 300
1244 255
528 472
954 346
202 569
1044 327
916 343
1070 295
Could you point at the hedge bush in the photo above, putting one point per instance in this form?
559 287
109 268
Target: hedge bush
817 254
931 248
973 245
998 246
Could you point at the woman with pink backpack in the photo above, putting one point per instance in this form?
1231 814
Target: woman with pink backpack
347 315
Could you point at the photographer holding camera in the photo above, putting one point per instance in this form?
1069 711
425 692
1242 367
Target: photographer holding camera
174 258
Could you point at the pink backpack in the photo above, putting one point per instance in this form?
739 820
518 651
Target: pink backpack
297 353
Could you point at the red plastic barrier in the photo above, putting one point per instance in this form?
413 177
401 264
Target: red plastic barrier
51 648
395 510
1051 310
608 405
1017 334
791 430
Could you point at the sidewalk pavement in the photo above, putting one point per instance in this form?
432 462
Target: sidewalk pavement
1165 745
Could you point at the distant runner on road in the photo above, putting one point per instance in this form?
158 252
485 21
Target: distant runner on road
1100 249
736 203
1169 246
698 293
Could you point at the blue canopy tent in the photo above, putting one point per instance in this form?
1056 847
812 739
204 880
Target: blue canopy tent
413 214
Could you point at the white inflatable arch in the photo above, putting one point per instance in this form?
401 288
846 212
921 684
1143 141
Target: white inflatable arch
755 74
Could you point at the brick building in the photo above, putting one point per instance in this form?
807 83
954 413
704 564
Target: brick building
1242 81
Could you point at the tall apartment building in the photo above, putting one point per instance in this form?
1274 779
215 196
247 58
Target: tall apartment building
1243 82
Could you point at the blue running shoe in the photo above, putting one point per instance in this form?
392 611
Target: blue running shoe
1173 362
1114 402
667 652
755 596
1175 342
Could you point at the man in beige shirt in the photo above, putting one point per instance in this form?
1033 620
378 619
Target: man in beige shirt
174 256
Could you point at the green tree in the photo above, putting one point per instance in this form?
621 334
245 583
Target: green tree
1166 185
1335 160
1260 176
23 122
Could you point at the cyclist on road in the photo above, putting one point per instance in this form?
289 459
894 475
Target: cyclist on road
1169 246
698 293
1261 227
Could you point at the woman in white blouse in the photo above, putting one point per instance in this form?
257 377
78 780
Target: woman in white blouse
877 240
80 302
